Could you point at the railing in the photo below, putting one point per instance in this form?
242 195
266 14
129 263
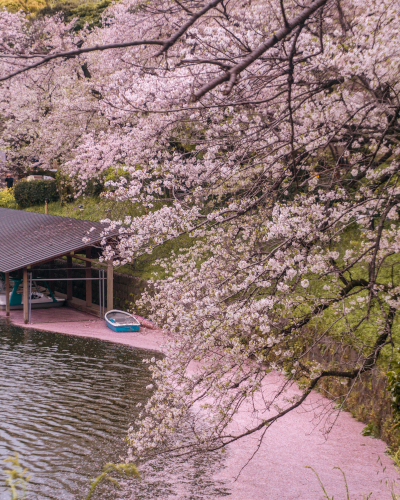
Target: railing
101 280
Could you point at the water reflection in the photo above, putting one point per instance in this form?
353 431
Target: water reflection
65 406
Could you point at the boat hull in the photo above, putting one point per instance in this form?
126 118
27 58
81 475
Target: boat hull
35 304
123 328
121 321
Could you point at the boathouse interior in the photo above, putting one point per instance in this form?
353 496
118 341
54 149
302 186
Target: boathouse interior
30 241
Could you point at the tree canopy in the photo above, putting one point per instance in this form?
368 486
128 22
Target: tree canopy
267 130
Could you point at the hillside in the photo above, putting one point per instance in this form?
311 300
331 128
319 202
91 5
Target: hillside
84 12
25 5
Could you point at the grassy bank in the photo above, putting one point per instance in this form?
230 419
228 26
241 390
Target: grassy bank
370 400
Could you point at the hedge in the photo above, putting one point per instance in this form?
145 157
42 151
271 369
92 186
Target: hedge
28 193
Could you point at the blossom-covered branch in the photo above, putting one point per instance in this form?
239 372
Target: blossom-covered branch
284 187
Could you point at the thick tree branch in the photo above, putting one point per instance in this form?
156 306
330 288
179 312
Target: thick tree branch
367 365
321 307
73 53
233 73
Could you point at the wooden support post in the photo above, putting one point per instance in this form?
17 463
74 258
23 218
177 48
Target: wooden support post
110 285
52 284
25 295
7 286
69 275
88 281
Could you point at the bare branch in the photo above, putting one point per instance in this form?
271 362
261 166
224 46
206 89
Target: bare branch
166 44
73 53
284 15
224 66
233 73
186 26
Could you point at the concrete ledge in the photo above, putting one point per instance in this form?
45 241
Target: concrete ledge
70 321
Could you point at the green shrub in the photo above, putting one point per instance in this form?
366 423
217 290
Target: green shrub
17 478
84 12
114 173
394 391
35 192
7 199
65 187
94 187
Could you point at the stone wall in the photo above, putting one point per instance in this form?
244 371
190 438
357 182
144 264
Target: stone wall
127 289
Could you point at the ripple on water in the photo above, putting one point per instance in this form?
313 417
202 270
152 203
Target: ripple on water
65 406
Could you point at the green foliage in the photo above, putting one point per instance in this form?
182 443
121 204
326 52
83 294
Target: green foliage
394 391
24 5
86 12
395 456
17 478
369 326
35 192
323 487
94 187
371 430
146 267
64 186
89 208
364 497
124 470
114 174
7 199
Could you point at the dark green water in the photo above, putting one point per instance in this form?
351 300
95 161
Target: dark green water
65 406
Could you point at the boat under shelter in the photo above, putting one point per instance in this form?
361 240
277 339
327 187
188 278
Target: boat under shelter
29 240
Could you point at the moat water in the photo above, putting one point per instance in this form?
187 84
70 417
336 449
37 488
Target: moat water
66 404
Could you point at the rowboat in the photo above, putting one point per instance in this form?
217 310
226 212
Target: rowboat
121 321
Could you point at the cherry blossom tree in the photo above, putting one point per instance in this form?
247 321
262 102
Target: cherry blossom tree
268 132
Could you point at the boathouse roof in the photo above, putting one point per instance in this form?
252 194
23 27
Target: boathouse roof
30 238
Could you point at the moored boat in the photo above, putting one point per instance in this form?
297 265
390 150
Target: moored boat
41 295
121 321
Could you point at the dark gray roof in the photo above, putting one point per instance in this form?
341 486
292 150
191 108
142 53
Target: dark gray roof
27 238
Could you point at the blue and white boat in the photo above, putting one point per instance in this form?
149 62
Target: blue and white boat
121 321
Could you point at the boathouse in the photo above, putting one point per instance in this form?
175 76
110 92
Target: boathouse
29 240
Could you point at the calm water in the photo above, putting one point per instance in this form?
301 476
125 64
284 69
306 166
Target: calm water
65 406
